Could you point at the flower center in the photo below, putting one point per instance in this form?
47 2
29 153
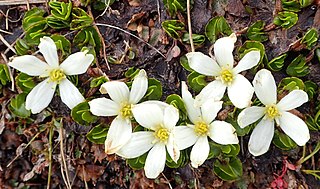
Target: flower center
162 134
272 111
201 128
57 75
126 111
226 76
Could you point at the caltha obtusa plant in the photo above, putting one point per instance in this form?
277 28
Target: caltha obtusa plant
56 74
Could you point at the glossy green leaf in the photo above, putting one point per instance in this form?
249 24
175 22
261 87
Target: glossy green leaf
87 37
62 43
196 81
291 83
313 122
61 10
96 82
291 5
32 17
255 31
240 131
25 82
277 63
185 64
137 163
298 67
311 88
98 134
82 115
56 23
34 33
154 91
217 26
282 141
101 5
80 19
253 46
4 74
22 47
173 6
197 39
131 72
286 19
305 3
17 106
228 169
173 28
310 38
177 102
182 161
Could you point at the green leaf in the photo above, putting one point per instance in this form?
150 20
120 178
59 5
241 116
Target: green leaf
173 6
311 88
185 64
87 37
298 67
177 102
61 10
310 38
82 115
173 28
22 47
96 82
196 81
217 26
291 83
255 31
32 17
313 122
98 134
197 39
286 19
80 19
291 5
305 3
25 82
253 46
34 33
137 163
131 72
4 74
182 161
282 141
240 131
56 23
228 169
154 91
277 63
101 5
17 106
62 43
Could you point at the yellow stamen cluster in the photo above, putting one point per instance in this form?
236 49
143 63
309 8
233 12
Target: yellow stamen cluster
126 111
201 128
226 76
162 134
56 75
272 111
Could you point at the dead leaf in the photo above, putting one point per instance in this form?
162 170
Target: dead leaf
98 152
134 3
90 172
134 21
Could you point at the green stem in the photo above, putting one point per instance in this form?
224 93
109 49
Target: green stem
312 172
50 156
303 159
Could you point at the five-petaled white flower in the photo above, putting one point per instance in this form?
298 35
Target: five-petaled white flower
203 126
161 121
266 91
42 94
120 105
240 90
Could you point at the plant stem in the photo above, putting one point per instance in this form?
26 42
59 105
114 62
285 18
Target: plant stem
50 156
189 25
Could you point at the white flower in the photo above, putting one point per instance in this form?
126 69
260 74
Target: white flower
120 105
266 91
240 90
161 122
203 126
42 94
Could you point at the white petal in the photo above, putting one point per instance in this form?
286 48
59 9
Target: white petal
148 115
223 133
77 63
210 109
293 100
155 161
119 134
172 148
170 117
69 94
203 64
250 115
139 87
199 152
48 49
261 137
265 87
240 92
193 112
40 96
223 48
30 65
104 107
295 128
185 137
249 60
118 91
140 143
214 89
162 105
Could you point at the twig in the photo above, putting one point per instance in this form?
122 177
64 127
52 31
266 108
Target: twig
124 31
10 72
6 32
7 44
20 2
62 157
105 10
158 9
50 157
84 177
7 50
189 26
167 180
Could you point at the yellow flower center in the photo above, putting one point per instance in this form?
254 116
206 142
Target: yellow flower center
162 134
126 110
226 76
57 75
201 128
272 111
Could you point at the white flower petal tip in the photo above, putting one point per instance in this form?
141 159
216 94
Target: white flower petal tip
29 64
250 115
240 92
233 37
249 60
77 63
139 87
199 152
70 95
265 87
103 107
49 51
203 64
293 100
